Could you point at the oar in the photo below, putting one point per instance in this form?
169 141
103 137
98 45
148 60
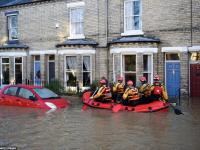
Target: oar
176 110
86 106
116 108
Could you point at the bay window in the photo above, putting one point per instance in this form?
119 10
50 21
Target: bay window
70 74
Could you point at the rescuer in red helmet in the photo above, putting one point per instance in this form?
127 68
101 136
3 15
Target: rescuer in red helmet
131 95
118 90
103 94
158 91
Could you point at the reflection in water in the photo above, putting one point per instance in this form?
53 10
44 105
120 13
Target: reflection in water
93 129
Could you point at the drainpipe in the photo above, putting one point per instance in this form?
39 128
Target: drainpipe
106 30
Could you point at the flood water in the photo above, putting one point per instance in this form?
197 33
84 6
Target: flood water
97 129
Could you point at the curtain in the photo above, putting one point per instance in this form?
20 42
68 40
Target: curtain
86 62
71 62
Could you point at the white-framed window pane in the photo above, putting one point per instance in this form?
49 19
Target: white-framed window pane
5 71
147 67
172 56
130 63
129 23
136 22
77 19
130 76
13 27
136 7
18 70
128 9
71 63
71 79
86 71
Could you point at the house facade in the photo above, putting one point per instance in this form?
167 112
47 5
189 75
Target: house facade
79 41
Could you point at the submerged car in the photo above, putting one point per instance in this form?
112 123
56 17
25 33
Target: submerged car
31 96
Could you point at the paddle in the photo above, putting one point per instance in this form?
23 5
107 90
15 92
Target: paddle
176 110
86 106
116 108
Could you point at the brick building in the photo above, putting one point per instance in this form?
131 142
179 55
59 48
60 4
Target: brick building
83 40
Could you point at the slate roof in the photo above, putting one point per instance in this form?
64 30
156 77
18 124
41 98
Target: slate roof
6 3
14 45
72 42
131 39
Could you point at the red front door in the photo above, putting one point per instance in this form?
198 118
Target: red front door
195 80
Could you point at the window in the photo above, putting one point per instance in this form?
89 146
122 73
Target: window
12 27
71 63
46 93
5 71
147 67
76 22
24 93
172 56
51 68
11 91
37 74
129 67
132 17
86 71
18 70
195 56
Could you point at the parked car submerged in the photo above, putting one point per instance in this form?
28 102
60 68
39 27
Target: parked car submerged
31 96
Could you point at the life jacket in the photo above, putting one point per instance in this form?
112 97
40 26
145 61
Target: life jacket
157 90
118 88
131 94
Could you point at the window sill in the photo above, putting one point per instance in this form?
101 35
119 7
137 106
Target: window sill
81 36
132 32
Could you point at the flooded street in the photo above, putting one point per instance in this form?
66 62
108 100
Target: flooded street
74 129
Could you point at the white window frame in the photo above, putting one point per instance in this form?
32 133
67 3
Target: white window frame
2 67
34 69
75 6
48 65
123 66
151 69
133 32
68 71
18 64
9 28
90 71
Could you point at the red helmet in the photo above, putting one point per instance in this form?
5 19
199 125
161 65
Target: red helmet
142 79
120 78
130 83
102 81
156 77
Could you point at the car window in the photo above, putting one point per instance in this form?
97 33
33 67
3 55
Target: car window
45 93
24 93
11 91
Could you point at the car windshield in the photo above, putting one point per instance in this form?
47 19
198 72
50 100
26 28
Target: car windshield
46 93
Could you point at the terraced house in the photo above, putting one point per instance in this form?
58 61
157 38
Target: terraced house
78 41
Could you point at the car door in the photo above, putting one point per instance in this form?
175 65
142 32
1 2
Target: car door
27 98
9 96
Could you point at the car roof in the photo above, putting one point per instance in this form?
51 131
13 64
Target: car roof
26 86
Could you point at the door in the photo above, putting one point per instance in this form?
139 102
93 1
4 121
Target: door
173 78
195 80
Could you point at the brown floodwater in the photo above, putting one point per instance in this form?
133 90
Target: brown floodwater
97 129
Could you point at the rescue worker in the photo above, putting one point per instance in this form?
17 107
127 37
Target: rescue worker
145 91
158 91
103 94
131 95
118 90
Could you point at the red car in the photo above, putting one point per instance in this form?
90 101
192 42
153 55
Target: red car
31 96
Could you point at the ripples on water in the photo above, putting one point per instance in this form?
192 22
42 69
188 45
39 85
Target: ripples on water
93 129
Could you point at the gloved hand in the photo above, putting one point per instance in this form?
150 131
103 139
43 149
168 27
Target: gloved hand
91 97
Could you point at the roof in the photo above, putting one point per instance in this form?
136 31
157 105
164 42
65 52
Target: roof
73 42
14 45
6 3
131 39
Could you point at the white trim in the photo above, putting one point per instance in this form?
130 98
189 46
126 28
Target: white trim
75 4
76 36
48 66
10 53
132 32
90 71
174 49
134 50
2 72
42 52
194 49
76 51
